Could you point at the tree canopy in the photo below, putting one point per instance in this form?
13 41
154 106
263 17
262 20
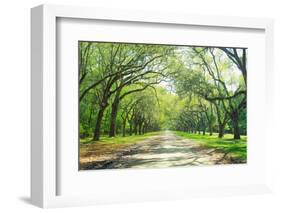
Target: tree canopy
128 89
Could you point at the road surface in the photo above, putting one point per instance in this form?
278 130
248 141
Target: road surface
160 151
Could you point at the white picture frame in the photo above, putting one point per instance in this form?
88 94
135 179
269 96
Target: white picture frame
44 155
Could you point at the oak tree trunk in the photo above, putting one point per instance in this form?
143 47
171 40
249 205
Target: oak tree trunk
235 122
124 128
114 110
221 130
98 124
140 128
210 129
131 128
136 128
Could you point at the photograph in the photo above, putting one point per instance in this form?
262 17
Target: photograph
161 105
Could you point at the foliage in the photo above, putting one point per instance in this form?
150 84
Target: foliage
134 89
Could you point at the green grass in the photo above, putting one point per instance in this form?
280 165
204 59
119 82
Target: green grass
119 139
237 149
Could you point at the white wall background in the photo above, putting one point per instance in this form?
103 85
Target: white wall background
15 104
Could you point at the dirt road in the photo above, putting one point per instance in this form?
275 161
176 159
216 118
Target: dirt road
163 150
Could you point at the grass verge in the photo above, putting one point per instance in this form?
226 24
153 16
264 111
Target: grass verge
237 149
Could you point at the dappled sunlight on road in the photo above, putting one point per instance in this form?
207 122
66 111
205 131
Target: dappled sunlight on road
159 151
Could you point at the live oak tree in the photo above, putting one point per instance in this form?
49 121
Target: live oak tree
208 75
230 89
116 67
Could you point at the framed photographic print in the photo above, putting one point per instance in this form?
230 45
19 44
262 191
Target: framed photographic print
130 106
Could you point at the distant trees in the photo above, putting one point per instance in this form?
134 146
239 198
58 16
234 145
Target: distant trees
140 113
211 77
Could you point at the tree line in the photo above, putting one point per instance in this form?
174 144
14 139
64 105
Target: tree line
108 74
213 80
124 89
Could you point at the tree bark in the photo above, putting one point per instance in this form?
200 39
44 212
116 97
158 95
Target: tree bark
98 124
221 130
136 128
235 122
221 121
124 128
210 129
140 128
114 110
131 128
